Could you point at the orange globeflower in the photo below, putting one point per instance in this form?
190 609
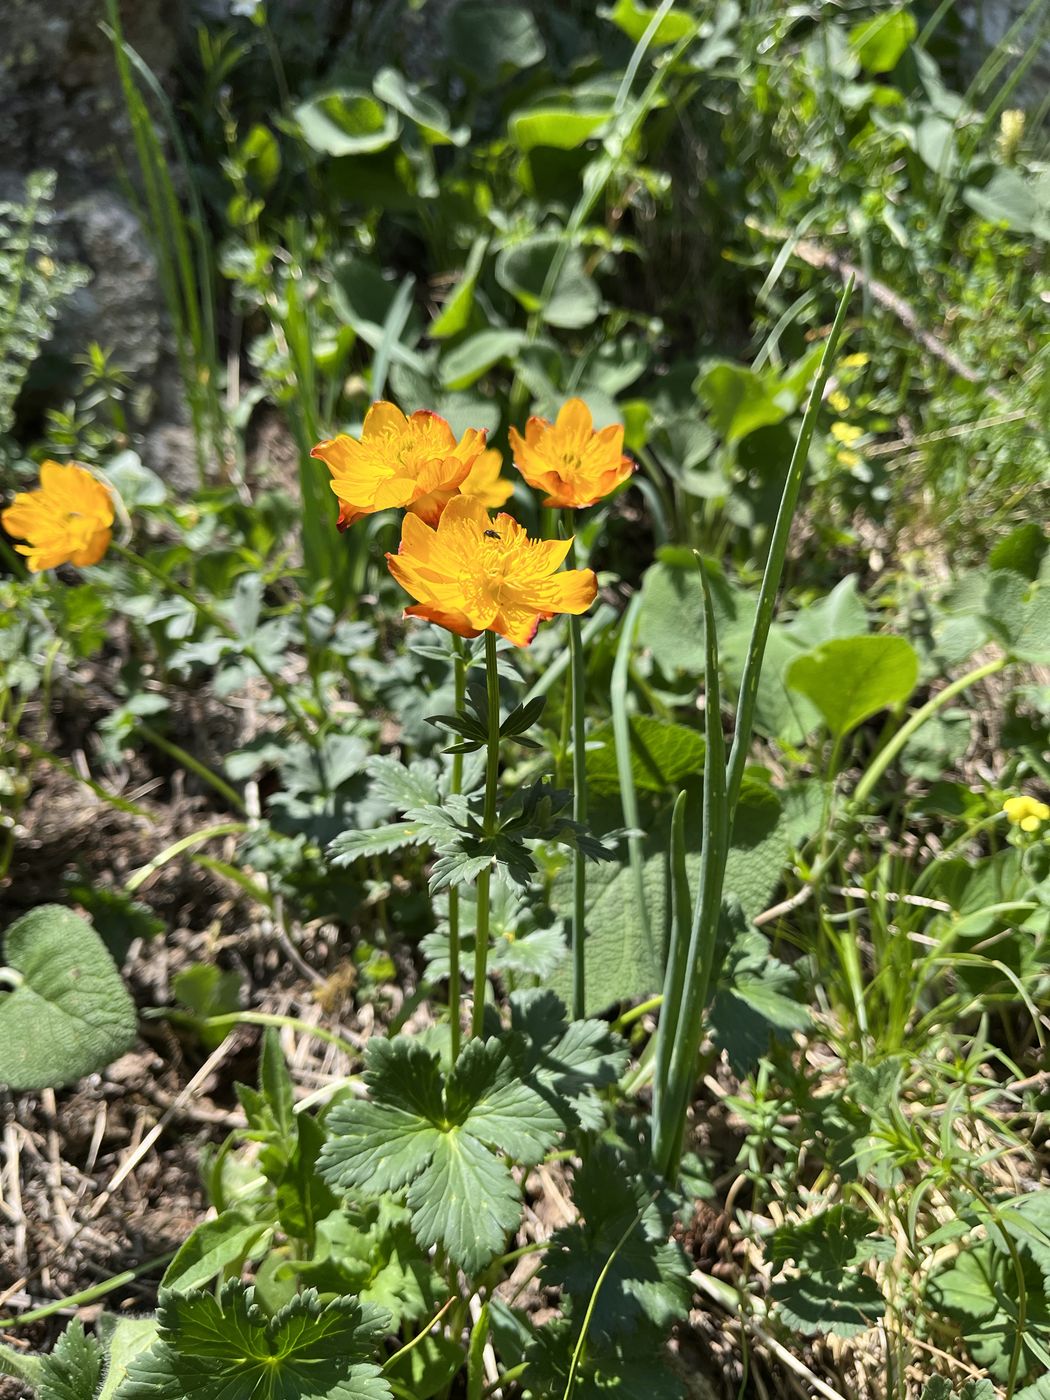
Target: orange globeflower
472 574
484 481
575 465
414 462
68 520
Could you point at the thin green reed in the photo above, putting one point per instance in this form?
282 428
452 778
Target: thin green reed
689 979
183 253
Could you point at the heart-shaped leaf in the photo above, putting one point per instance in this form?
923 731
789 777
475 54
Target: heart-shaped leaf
69 1013
852 678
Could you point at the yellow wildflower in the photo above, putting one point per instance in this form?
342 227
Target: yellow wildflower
1011 133
1026 812
473 574
412 462
484 481
846 433
839 401
575 465
68 520
847 458
857 361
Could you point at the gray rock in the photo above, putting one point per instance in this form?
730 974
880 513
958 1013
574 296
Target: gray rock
62 108
121 307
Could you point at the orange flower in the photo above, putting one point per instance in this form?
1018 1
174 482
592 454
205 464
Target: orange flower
484 481
414 462
472 574
575 465
68 520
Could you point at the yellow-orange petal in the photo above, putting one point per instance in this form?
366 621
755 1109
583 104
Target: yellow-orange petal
382 418
573 591
575 417
451 620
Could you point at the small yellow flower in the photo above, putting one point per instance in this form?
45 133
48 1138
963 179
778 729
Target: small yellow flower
68 520
1011 133
1026 812
412 462
484 481
846 433
839 401
857 361
473 574
848 458
575 465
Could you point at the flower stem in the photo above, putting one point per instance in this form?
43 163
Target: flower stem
459 668
208 613
885 757
579 809
481 937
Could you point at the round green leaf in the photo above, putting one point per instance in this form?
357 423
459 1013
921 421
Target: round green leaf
347 122
738 400
561 120
70 1013
433 120
469 360
522 270
881 43
852 678
490 41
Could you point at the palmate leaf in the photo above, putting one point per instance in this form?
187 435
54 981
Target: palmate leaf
753 1001
939 1388
444 1139
565 1062
73 1370
404 785
816 1303
227 1346
619 1368
465 1199
829 1293
647 1279
835 1239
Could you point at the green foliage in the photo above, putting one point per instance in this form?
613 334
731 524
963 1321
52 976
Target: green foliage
67 1013
440 1139
306 1351
73 1368
34 286
481 212
828 1291
621 1222
852 678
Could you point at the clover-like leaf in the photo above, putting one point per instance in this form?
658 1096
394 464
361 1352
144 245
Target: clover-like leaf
444 1139
228 1346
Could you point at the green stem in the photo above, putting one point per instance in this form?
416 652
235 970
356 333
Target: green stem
194 765
185 843
481 937
208 613
266 1018
579 810
885 757
87 1295
459 667
420 1336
